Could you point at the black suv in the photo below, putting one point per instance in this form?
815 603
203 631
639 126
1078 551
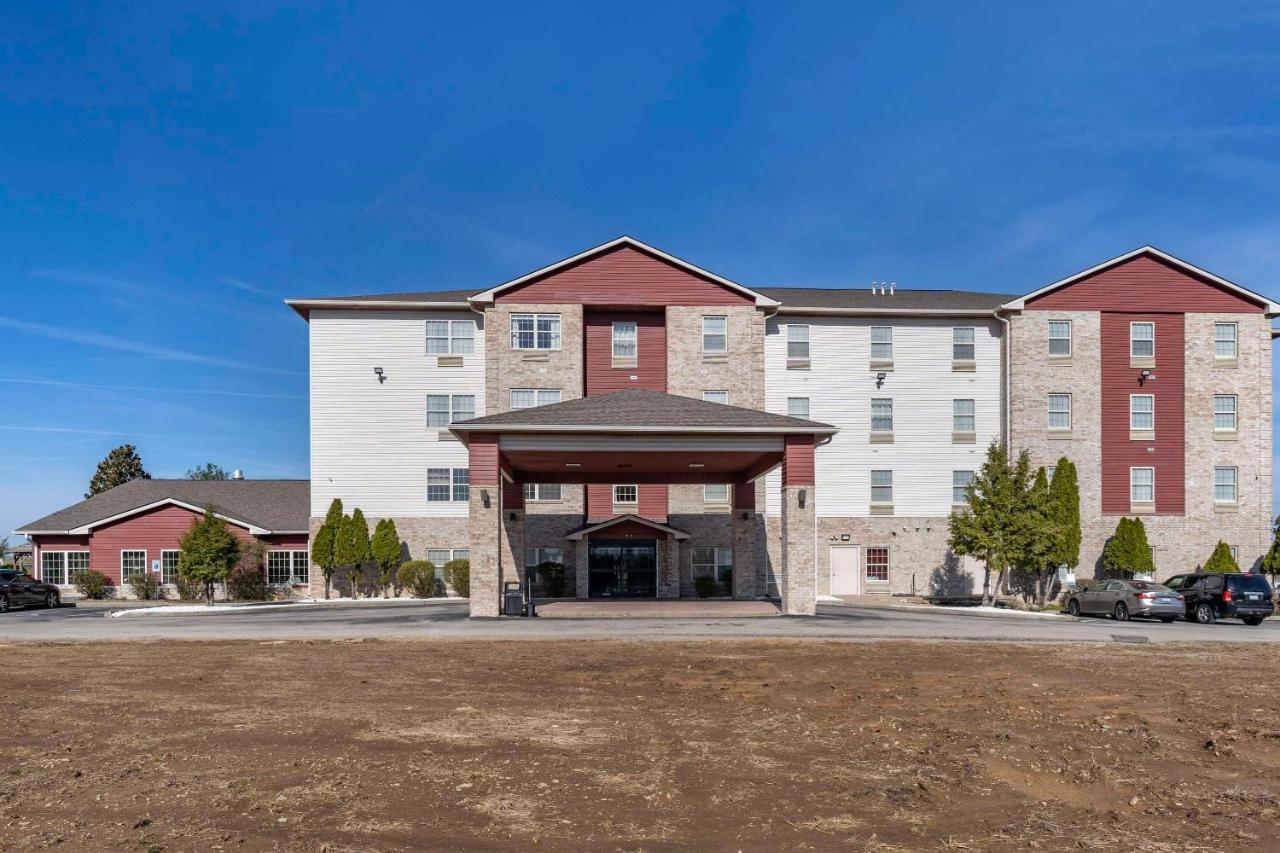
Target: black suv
1246 597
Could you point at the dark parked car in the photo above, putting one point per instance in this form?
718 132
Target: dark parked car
19 589
1209 597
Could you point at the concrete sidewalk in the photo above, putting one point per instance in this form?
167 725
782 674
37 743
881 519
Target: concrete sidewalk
676 608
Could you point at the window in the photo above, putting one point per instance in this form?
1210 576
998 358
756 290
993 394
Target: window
878 565
1142 485
882 343
1060 338
721 397
1142 340
534 557
1060 411
960 483
169 566
1224 485
132 563
1048 470
287 567
715 493
451 337
1235 554
542 491
798 407
53 567
448 484
624 340
962 343
535 331
1224 340
797 343
1224 412
527 398
962 416
444 409
717 562
1142 411
882 487
625 494
439 556
881 415
715 336
76 561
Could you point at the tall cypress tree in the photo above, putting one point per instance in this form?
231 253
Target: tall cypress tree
1064 493
325 541
352 548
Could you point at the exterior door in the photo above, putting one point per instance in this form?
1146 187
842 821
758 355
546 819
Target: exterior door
622 568
845 563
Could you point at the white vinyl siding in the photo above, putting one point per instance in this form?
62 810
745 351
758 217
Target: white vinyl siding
1225 485
1142 340
451 337
1059 338
1059 411
1225 336
535 331
715 337
1142 485
1224 412
1142 412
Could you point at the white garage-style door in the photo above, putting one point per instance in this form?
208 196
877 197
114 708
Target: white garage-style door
846 569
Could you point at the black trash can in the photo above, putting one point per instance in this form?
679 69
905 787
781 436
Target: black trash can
512 599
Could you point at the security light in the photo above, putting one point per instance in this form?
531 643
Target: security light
1145 375
880 378
382 377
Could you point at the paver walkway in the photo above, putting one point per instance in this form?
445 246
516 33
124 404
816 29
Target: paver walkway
646 608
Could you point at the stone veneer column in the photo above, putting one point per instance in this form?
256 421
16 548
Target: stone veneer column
799 530
512 541
484 526
669 567
581 590
745 534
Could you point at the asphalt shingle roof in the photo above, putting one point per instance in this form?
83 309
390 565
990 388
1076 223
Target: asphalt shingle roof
907 300
276 505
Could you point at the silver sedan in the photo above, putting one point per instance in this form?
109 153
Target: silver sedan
1122 599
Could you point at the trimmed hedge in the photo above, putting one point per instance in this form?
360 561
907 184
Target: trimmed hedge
457 573
92 583
419 577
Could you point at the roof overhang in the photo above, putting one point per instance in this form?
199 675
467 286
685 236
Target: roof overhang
304 307
86 529
463 430
888 312
578 535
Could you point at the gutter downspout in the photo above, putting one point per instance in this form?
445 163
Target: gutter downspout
1006 403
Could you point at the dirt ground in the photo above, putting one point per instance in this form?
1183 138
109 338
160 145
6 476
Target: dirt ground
746 745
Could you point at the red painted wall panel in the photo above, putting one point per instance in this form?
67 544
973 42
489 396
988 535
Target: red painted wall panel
624 276
628 530
797 461
1119 380
1143 284
650 371
154 531
599 501
651 501
483 459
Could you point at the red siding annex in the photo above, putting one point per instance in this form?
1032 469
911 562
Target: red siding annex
1143 281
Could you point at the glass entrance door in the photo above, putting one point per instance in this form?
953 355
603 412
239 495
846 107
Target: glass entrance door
622 568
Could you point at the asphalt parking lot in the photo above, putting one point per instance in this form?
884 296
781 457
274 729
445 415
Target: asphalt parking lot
413 620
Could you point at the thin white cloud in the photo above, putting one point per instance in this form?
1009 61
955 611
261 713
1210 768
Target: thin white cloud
98 386
248 288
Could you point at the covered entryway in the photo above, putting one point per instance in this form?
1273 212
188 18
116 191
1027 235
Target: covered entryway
622 568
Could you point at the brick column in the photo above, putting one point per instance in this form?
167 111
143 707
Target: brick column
669 567
484 526
797 584
745 540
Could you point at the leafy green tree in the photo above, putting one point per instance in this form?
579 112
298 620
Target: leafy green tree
1221 560
1038 566
209 550
324 544
1062 519
1127 552
386 553
208 471
1271 562
352 548
119 467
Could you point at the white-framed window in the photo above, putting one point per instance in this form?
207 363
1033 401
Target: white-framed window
1142 485
963 418
797 342
798 407
451 337
715 334
878 564
1235 553
1060 411
132 562
445 409
721 397
716 562
962 346
1224 412
715 493
287 567
535 331
626 494
58 567
1225 485
624 339
960 483
1059 338
1142 411
882 343
542 491
1142 340
527 398
1048 471
534 557
1225 336
881 414
882 487
439 556
448 484
169 565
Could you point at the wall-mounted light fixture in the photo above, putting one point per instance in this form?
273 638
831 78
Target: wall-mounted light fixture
1145 375
378 372
880 378
484 497
803 496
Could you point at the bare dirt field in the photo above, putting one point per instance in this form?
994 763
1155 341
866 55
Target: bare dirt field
744 745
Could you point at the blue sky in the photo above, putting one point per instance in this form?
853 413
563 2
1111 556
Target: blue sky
168 175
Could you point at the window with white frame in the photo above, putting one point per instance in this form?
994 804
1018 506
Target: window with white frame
534 557
169 565
715 334
1048 470
445 409
1142 485
882 343
1060 411
721 397
542 491
715 493
963 418
59 567
527 398
1225 336
960 483
287 567
451 337
439 556
535 331
878 565
1224 412
1224 485
1235 554
1142 340
132 563
1059 338
797 342
625 494
882 487
624 340
716 562
962 338
1142 412
881 414
448 484
798 407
